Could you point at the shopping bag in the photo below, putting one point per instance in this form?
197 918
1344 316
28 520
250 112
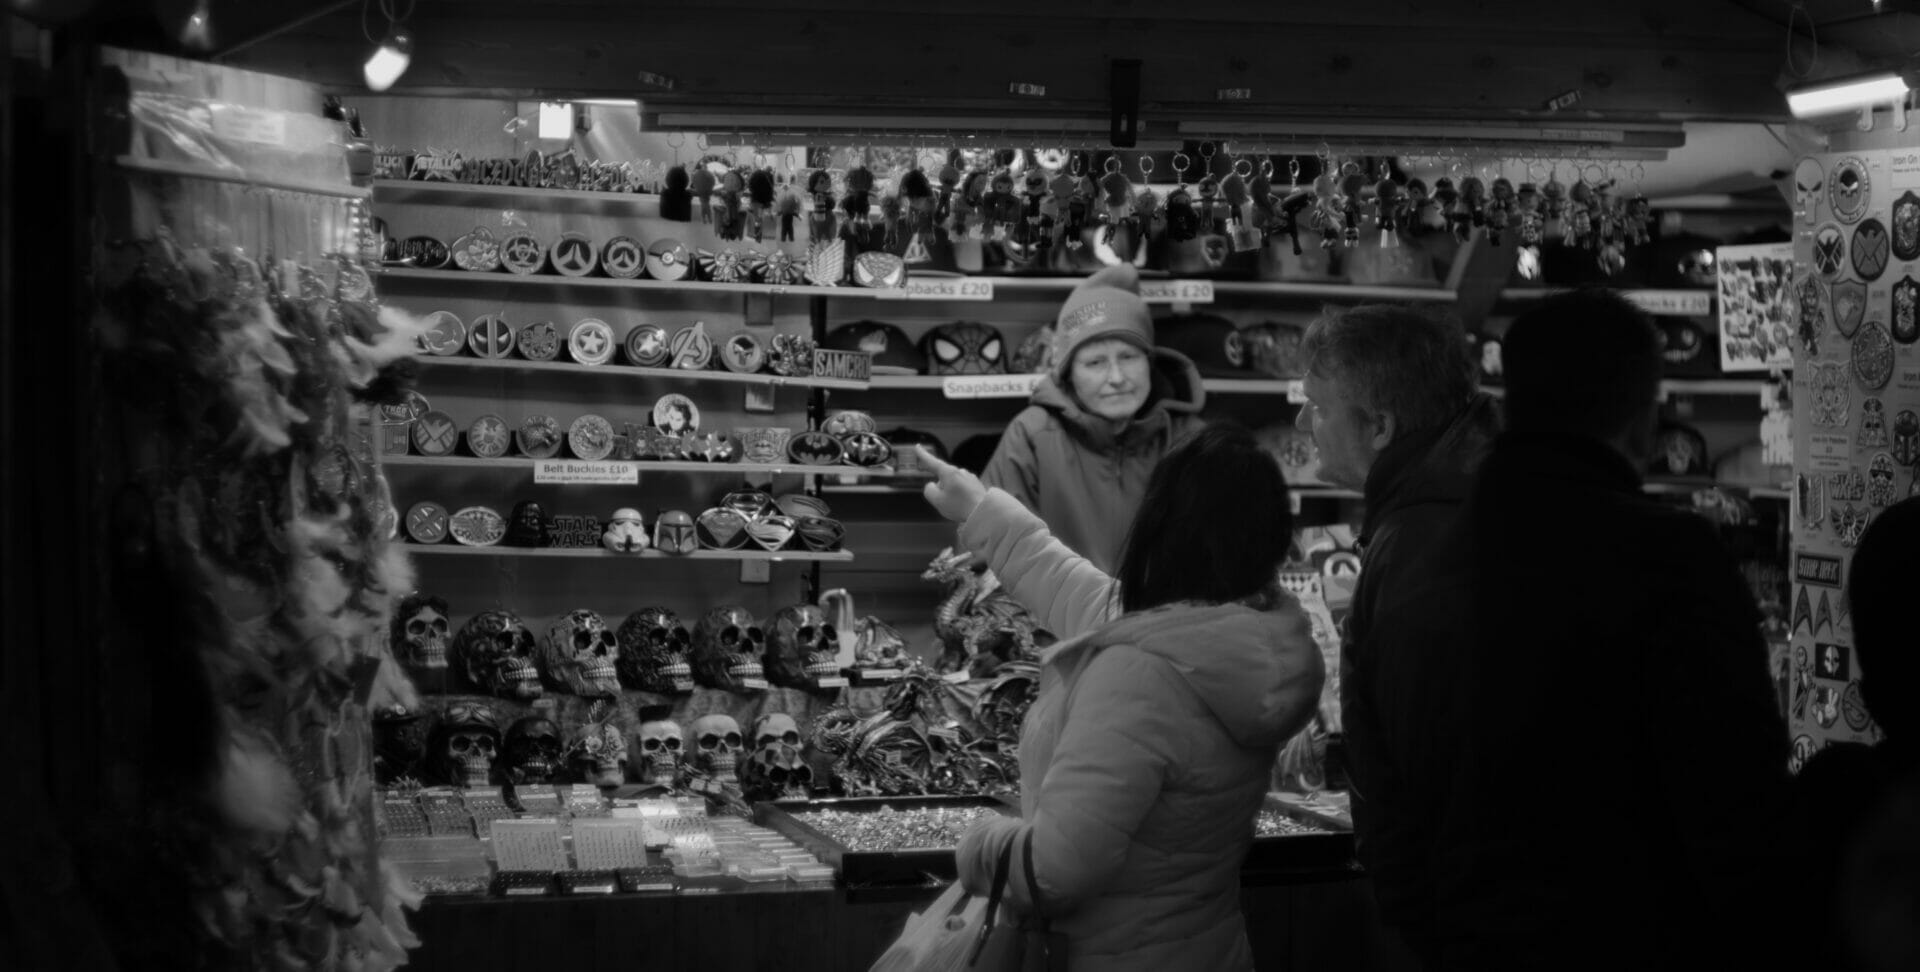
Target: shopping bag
1026 945
939 938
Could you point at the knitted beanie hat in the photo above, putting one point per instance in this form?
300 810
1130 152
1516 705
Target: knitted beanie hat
1105 305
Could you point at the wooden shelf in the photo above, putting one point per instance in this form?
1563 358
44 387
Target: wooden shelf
1323 492
877 489
502 278
1729 387
451 193
1672 487
1675 301
627 371
186 170
601 553
1222 386
524 464
1250 386
1263 288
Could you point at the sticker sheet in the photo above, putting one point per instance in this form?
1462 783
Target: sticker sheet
1856 444
1756 306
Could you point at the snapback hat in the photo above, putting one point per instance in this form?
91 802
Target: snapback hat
1273 349
1213 344
893 352
1105 305
906 459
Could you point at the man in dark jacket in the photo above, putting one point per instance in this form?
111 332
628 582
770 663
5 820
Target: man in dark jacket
1624 777
1395 411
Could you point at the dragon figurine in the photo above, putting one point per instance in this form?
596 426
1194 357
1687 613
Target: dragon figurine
980 625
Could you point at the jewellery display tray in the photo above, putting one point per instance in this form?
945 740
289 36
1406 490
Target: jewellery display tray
1291 852
866 868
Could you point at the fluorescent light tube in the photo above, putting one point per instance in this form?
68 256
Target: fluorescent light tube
389 60
1847 95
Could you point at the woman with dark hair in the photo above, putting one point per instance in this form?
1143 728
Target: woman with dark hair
1146 753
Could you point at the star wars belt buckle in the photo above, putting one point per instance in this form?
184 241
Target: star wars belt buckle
668 260
590 342
538 436
490 336
573 255
879 270
445 335
426 522
845 423
772 532
477 526
815 449
674 532
590 437
435 434
539 341
722 529
646 346
488 437
623 258
743 354
692 349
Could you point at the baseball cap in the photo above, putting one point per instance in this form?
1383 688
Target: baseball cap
1211 342
893 352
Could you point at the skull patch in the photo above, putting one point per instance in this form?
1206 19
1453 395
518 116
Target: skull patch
580 655
495 652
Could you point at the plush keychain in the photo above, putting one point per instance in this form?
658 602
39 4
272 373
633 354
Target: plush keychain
1526 207
1639 217
1261 215
1353 185
1578 228
916 193
1499 209
789 209
1328 210
1116 202
1079 209
676 203
1212 212
1236 198
701 184
727 218
759 203
1470 210
858 207
820 223
1035 224
1389 209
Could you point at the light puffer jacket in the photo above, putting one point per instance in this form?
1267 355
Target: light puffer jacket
1144 758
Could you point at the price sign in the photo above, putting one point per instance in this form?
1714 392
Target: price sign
1296 393
831 682
989 386
949 288
957 678
1674 303
571 471
1177 291
755 684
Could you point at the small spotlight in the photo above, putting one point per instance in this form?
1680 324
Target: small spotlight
196 31
389 60
556 120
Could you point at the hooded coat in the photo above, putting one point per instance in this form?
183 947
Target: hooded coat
1146 756
1082 478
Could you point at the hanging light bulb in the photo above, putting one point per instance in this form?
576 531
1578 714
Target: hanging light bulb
389 60
196 32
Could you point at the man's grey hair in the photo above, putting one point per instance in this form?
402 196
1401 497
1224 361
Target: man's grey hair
1407 361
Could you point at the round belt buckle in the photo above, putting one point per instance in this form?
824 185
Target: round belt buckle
590 437
477 526
591 341
445 335
435 434
742 353
538 436
622 258
573 255
691 349
646 346
667 260
522 254
427 522
488 437
490 336
539 341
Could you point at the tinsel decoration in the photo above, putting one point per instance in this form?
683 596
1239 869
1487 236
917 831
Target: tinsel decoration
253 573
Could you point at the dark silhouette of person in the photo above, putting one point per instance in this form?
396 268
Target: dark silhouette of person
1623 781
1855 790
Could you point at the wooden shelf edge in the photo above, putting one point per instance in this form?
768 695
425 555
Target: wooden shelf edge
628 371
399 189
673 466
503 278
597 553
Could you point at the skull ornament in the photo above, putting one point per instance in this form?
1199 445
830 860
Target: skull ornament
495 652
801 647
656 753
580 655
727 646
716 747
419 633
777 768
597 754
532 753
653 652
463 745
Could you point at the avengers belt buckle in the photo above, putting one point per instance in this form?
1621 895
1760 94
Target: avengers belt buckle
539 341
590 341
742 353
773 531
573 255
488 437
590 437
749 503
477 526
522 254
538 436
667 260
647 347
866 449
691 349
845 423
435 434
444 336
490 336
674 533
815 449
622 258
879 270
722 529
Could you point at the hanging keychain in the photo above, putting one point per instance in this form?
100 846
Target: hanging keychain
1639 217
1237 197
1328 207
1388 206
1499 207
1182 222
